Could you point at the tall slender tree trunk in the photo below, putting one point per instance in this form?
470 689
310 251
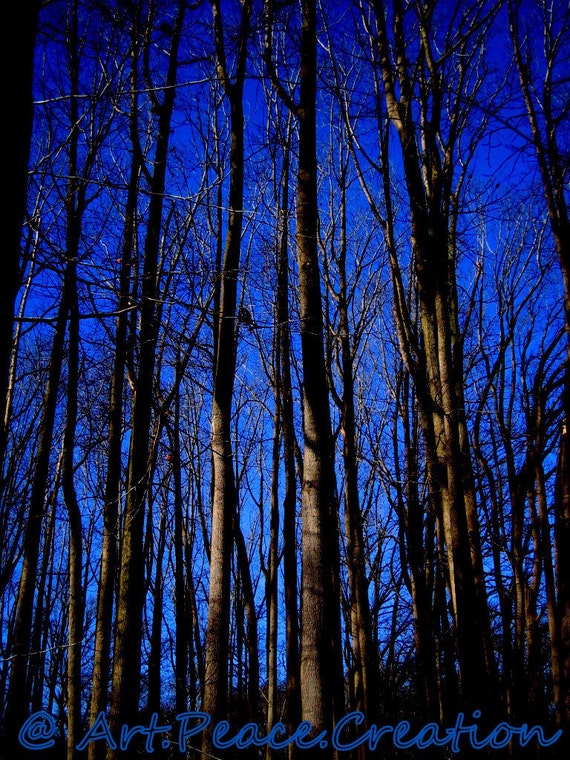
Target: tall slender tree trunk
215 700
18 698
321 667
183 631
155 655
109 547
74 204
553 176
366 658
271 583
76 598
293 703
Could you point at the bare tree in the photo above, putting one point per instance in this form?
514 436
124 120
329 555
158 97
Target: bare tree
215 695
127 650
428 150
547 119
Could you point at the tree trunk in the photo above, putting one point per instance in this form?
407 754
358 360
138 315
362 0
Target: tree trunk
215 701
321 667
155 655
432 362
365 654
271 584
18 698
109 548
551 166
293 704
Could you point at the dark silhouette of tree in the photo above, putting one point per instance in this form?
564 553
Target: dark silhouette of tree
19 133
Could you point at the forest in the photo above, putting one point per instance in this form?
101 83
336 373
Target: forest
285 380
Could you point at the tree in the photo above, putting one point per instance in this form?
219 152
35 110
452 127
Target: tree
544 90
428 120
109 548
215 696
76 201
130 601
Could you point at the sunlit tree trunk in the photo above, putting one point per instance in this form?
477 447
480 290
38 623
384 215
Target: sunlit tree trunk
215 699
108 566
435 364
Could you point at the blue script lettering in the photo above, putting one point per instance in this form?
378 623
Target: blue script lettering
149 731
185 732
40 728
527 734
432 735
250 735
99 729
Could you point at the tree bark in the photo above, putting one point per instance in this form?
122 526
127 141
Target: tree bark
321 667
